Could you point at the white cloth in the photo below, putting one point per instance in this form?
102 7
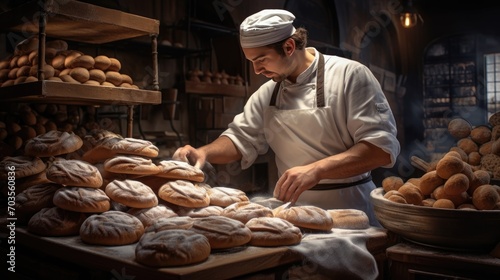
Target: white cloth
266 27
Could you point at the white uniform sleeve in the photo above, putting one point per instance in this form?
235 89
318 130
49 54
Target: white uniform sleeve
369 116
247 128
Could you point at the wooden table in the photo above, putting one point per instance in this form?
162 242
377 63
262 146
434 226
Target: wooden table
118 261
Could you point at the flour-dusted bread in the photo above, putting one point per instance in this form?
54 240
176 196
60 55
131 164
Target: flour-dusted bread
20 166
170 248
243 211
178 222
34 199
180 170
81 199
74 172
111 228
270 202
184 193
349 218
134 146
222 232
131 193
53 143
148 216
55 221
130 164
306 217
272 231
211 210
225 196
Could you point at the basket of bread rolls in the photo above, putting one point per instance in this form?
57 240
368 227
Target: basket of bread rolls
455 204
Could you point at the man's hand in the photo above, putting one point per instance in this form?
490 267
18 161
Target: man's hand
294 182
190 155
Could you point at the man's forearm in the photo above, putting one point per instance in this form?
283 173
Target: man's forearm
222 150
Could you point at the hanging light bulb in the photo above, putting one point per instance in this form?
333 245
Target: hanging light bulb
409 16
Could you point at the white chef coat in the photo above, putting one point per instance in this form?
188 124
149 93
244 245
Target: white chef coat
355 110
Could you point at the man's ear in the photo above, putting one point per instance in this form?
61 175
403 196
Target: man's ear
289 46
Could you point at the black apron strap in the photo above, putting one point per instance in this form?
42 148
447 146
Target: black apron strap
324 187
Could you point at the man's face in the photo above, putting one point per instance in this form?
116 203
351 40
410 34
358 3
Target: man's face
268 62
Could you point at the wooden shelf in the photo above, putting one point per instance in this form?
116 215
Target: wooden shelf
78 21
66 93
214 89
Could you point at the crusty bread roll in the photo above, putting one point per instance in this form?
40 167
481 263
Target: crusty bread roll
429 182
55 221
115 65
179 222
456 184
84 61
71 55
222 232
111 228
102 62
148 216
80 74
272 231
23 71
443 203
485 197
34 199
201 212
127 79
23 60
172 248
439 193
184 193
130 164
131 193
392 183
243 211
306 217
459 128
411 193
58 61
74 172
20 166
97 75
113 77
81 199
180 170
349 218
225 196
448 166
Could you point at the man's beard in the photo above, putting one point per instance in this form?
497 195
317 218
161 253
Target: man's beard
280 78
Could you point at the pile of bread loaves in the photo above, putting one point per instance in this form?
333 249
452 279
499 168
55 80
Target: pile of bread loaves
62 65
115 191
462 178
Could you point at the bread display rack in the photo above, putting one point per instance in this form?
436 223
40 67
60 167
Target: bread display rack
85 23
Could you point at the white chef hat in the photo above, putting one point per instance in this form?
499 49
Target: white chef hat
266 27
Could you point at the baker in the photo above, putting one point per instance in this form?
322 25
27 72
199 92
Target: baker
325 117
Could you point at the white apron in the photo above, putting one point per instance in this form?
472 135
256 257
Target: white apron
298 137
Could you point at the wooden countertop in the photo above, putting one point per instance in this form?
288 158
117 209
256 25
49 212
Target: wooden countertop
220 265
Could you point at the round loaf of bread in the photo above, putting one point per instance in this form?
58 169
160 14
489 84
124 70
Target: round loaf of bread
222 232
111 228
243 211
35 198
148 216
459 128
99 150
392 183
429 182
97 75
29 181
306 217
179 222
115 65
269 202
20 166
84 61
74 172
80 74
53 143
184 193
134 146
130 164
131 193
272 232
56 221
349 218
169 248
201 212
114 77
485 197
81 199
102 62
71 55
180 170
225 196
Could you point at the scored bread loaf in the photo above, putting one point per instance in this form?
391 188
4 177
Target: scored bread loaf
349 218
243 211
222 232
148 216
55 221
21 166
131 193
53 143
184 193
174 169
111 228
74 172
273 231
130 164
225 196
306 217
81 199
